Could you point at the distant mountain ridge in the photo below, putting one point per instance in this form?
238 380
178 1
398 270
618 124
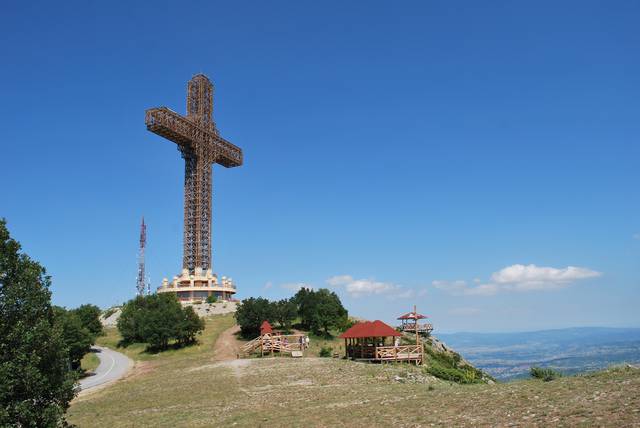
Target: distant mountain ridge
570 350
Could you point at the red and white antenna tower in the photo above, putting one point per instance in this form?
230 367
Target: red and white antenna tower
141 282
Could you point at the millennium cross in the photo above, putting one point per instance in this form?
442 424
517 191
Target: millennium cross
201 146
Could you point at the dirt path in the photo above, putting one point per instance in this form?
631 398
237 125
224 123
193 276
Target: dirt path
227 346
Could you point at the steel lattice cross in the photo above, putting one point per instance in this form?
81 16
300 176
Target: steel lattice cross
201 146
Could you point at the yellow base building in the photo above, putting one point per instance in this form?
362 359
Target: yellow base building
198 286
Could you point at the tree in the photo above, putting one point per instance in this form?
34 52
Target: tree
159 323
158 319
77 338
284 312
190 325
320 310
328 311
89 316
251 313
36 383
305 303
130 320
211 298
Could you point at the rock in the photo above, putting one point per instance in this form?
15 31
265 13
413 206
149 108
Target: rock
112 319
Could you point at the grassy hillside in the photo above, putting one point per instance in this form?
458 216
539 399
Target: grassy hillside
188 388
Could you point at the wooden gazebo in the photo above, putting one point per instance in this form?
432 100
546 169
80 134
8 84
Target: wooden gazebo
409 323
378 342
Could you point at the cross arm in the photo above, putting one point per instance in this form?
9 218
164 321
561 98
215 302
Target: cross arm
172 126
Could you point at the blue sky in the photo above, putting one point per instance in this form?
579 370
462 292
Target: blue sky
478 160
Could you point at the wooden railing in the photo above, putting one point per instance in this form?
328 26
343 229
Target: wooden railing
274 343
407 352
421 328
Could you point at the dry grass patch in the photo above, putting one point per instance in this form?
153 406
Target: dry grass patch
192 389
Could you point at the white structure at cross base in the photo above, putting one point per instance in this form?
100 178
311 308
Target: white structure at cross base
198 286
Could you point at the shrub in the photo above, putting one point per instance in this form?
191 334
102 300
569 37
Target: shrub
544 374
446 366
212 298
325 351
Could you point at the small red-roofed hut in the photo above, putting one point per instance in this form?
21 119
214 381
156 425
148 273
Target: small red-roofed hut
265 328
376 341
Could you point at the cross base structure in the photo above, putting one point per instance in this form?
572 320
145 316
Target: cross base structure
196 287
201 146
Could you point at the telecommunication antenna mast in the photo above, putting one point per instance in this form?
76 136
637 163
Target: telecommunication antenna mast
141 281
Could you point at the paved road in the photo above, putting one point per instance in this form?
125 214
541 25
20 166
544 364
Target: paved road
113 365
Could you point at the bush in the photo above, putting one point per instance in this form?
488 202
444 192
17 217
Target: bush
325 351
212 298
157 320
447 367
544 374
36 383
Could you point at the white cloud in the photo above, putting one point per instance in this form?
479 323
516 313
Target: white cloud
519 278
267 285
636 236
367 287
532 277
338 280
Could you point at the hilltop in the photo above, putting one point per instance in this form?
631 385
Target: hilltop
190 387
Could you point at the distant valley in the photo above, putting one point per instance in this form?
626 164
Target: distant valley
509 356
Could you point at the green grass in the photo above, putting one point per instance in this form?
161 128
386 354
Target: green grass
316 343
89 362
137 351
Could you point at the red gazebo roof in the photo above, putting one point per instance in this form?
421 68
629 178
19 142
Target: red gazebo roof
369 329
265 328
412 316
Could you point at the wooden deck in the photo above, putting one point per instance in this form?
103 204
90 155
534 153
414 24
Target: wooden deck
411 328
274 343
